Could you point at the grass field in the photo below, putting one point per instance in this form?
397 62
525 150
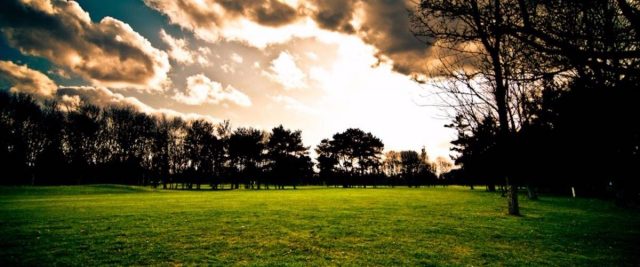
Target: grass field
118 225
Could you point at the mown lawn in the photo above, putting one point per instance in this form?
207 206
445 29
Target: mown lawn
118 225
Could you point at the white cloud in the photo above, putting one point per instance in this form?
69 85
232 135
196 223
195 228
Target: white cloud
227 68
312 56
180 52
178 48
286 72
203 57
236 58
200 90
26 80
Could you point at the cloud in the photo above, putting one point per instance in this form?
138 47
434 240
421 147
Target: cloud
69 103
203 56
293 104
255 23
179 51
201 90
207 17
99 96
236 58
227 68
178 48
108 53
312 56
383 24
334 15
59 72
285 71
26 80
103 97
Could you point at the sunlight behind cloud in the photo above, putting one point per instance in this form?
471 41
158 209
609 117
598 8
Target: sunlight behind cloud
360 95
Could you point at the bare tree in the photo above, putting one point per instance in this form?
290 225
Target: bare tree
471 50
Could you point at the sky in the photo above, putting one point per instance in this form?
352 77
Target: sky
320 66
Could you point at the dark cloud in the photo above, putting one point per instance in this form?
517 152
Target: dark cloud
210 15
274 14
335 15
270 12
386 26
106 53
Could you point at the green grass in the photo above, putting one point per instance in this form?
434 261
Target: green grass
120 225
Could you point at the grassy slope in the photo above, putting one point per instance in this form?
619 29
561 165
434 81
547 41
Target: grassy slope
119 225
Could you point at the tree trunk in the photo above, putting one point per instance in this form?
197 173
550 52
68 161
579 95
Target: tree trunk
621 200
491 187
514 208
531 193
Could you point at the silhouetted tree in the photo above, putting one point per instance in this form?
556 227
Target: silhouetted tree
247 153
83 132
288 157
52 157
201 146
327 162
352 154
221 156
392 166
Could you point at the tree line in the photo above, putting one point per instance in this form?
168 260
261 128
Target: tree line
46 143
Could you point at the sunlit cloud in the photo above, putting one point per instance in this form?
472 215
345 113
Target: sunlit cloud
103 97
178 48
180 52
285 71
237 58
202 57
226 68
27 80
201 90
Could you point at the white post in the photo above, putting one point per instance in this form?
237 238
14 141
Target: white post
573 191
